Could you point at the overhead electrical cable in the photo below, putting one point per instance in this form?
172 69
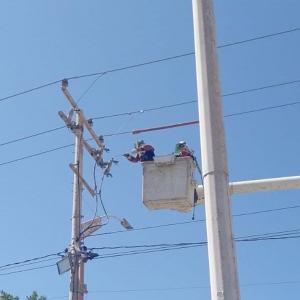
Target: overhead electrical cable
279 33
266 211
145 246
145 251
148 110
246 112
97 74
89 87
183 288
264 236
197 221
31 259
260 37
129 113
39 87
31 136
35 154
280 234
102 117
245 91
27 264
171 247
151 248
26 270
147 227
128 132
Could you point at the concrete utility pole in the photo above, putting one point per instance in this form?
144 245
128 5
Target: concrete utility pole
258 185
221 252
77 288
77 252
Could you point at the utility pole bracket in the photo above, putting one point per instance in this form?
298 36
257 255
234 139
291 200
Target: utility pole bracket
83 181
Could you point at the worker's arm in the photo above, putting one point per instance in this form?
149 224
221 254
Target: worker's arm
132 158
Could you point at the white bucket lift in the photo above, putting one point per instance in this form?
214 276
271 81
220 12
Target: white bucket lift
168 182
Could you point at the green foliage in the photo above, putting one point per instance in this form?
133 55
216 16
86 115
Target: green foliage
6 296
33 296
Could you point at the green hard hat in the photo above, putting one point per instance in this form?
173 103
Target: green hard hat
139 143
181 144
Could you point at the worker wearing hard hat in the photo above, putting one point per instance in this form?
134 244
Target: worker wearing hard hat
142 152
182 150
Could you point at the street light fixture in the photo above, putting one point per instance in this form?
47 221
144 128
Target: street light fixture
64 265
124 222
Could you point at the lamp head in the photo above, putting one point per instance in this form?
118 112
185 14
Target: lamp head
126 224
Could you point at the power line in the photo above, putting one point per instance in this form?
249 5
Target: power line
163 289
146 246
31 136
197 221
26 270
129 113
157 248
129 132
29 90
272 234
147 63
183 288
165 107
171 247
267 211
98 74
260 37
31 260
262 109
272 283
279 235
102 117
152 248
261 88
148 227
89 87
146 251
262 236
35 154
27 264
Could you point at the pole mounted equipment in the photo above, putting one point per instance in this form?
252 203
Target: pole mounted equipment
77 254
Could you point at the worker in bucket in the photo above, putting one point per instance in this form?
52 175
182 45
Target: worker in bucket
142 152
182 150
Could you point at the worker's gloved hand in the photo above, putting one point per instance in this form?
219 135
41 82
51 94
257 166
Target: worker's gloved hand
126 155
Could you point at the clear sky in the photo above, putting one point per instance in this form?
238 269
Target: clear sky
44 41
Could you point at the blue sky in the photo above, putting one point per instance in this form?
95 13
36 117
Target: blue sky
44 41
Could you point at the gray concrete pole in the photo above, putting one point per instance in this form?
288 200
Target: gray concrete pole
221 252
258 185
76 286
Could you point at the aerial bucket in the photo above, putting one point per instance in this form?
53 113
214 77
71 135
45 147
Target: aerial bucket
168 183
